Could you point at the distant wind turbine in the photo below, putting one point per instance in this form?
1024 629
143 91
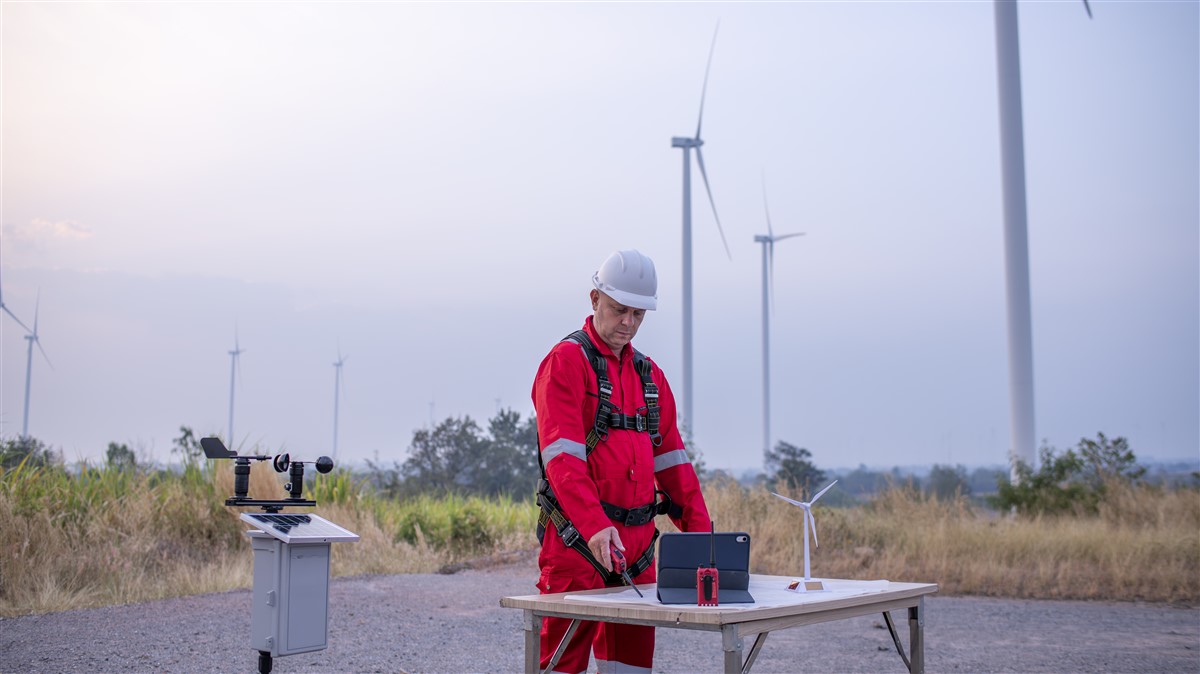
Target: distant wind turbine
32 338
1016 238
337 387
687 144
233 370
768 289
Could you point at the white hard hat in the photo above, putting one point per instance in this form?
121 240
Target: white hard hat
628 277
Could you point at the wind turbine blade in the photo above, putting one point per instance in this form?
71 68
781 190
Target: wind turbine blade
704 175
766 208
34 333
14 317
1088 8
795 503
781 237
704 89
814 499
43 352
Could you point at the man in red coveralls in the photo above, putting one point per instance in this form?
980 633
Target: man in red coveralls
621 473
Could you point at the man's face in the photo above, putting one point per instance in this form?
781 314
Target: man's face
615 323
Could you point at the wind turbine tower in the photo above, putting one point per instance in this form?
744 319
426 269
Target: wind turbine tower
337 386
1016 237
233 369
687 144
768 290
32 338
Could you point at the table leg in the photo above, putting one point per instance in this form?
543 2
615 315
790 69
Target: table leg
731 643
562 645
758 643
533 641
916 637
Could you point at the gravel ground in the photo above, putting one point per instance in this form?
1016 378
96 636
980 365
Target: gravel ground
454 623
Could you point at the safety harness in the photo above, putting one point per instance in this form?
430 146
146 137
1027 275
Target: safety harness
645 420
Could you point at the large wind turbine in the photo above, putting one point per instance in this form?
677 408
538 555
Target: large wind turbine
768 287
1016 238
32 338
233 369
688 420
337 387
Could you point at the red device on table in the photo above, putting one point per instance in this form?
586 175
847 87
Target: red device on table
707 577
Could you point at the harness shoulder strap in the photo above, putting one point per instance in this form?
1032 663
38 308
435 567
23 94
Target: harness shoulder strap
604 408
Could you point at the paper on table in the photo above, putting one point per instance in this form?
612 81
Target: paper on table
766 593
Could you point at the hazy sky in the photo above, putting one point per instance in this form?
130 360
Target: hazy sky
430 188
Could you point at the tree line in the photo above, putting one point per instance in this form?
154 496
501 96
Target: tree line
459 456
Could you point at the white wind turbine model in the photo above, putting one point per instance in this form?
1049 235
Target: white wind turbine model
337 387
32 338
233 370
1016 237
687 144
768 288
808 519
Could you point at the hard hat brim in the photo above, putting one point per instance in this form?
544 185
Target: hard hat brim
625 298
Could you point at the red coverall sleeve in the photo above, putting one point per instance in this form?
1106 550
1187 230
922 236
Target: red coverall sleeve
559 399
673 469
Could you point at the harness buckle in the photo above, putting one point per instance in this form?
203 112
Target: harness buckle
641 422
570 535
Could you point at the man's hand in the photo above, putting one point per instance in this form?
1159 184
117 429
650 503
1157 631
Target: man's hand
600 543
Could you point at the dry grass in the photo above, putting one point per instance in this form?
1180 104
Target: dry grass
107 537
1145 545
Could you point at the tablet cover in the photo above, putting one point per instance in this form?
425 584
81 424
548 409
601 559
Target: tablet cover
680 554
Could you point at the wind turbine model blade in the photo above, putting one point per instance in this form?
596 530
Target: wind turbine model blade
704 175
704 89
795 503
814 499
813 521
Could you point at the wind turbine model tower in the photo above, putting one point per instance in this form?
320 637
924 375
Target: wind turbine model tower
32 338
233 368
1016 237
768 286
337 385
687 144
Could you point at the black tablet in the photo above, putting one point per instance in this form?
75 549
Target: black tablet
680 554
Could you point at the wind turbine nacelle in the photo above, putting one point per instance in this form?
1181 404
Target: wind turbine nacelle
677 141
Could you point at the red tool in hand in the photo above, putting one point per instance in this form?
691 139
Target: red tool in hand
619 566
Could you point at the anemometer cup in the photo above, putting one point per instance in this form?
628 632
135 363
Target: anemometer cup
281 462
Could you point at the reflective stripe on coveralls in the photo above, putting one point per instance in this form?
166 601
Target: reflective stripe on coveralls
672 458
561 446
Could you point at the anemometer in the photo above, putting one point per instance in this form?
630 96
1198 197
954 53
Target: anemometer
290 610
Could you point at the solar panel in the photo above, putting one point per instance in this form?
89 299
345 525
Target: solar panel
295 528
